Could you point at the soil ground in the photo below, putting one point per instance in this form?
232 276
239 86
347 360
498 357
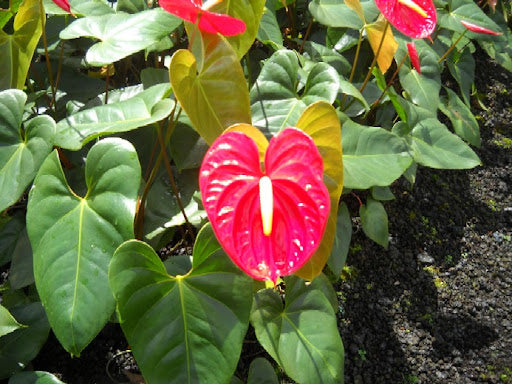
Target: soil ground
436 307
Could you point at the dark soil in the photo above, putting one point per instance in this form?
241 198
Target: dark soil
436 307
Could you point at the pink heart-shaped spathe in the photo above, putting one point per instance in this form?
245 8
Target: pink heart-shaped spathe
229 182
402 15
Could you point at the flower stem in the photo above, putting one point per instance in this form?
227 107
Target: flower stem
369 74
46 54
451 48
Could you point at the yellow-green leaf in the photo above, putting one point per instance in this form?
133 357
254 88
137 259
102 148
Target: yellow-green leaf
389 46
321 122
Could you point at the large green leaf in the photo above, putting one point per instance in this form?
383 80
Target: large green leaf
275 100
261 372
462 68
22 345
35 377
433 145
121 34
185 328
8 323
17 49
21 271
22 151
334 13
74 237
463 120
142 109
341 241
467 11
301 334
372 156
422 89
320 121
500 47
211 88
250 11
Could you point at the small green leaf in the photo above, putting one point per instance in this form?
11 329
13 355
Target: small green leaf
74 237
433 145
36 377
275 100
187 328
341 241
372 156
374 221
8 323
301 334
269 31
142 109
382 193
463 120
262 372
121 34
211 89
22 151
22 345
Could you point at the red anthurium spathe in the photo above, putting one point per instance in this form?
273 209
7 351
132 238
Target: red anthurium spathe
269 222
211 22
64 4
478 29
414 18
413 54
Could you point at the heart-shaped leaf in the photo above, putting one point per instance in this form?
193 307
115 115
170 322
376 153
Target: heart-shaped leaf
462 68
142 109
22 151
185 328
212 88
261 372
374 221
461 10
382 42
301 334
321 122
269 31
121 34
17 49
74 237
372 156
8 323
275 100
233 196
333 13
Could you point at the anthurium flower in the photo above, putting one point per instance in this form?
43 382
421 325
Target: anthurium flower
271 221
413 54
478 29
64 4
414 18
211 22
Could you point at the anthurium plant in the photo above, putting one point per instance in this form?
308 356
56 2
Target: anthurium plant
233 132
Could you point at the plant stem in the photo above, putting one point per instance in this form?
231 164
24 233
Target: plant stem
390 82
46 54
451 48
353 71
368 75
308 31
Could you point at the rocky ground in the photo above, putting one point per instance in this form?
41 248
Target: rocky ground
436 307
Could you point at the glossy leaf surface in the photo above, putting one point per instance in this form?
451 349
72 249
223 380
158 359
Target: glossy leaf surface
35 377
374 221
184 328
121 34
414 18
211 89
142 109
73 238
8 323
22 151
301 334
261 372
341 244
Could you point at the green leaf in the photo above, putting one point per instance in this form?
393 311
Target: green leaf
22 345
467 11
250 11
341 241
333 13
8 14
22 151
374 221
382 193
301 334
269 31
372 156
211 89
10 234
422 89
142 109
275 100
320 53
186 328
74 237
349 89
462 68
500 47
36 377
320 121
16 50
463 121
131 6
21 272
433 145
262 372
8 323
121 34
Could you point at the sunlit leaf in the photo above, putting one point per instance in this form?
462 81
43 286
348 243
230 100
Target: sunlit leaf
388 47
